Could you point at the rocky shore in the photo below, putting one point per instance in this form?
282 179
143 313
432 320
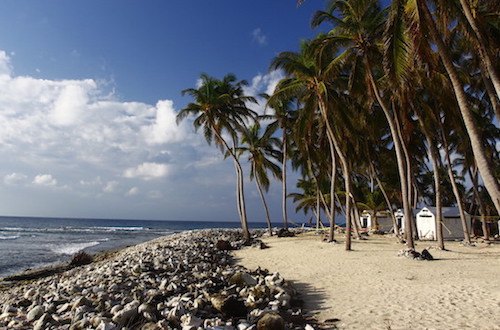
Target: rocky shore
183 281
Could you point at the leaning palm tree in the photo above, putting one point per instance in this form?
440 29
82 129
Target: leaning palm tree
221 107
357 30
309 78
422 11
260 149
282 119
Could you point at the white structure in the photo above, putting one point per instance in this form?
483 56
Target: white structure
452 226
383 218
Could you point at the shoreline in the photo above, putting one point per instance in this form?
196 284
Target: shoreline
185 280
372 288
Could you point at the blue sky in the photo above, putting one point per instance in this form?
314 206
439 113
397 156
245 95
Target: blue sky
88 96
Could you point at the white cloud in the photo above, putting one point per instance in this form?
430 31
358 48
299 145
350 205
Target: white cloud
110 186
44 180
165 129
94 144
71 103
259 37
263 84
133 191
14 178
147 171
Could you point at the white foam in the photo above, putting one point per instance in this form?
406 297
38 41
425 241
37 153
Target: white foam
8 237
72 248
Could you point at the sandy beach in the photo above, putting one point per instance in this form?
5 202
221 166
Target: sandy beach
372 288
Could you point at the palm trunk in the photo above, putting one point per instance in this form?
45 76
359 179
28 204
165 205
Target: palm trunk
454 187
355 217
483 49
408 172
335 147
482 209
283 180
437 188
489 179
408 214
434 152
268 218
240 200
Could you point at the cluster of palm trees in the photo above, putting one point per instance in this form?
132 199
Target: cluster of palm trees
368 112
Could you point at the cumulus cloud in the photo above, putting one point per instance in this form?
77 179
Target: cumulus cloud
14 178
147 171
164 129
259 37
70 105
263 84
44 180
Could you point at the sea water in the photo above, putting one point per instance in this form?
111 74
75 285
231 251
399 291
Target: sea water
28 243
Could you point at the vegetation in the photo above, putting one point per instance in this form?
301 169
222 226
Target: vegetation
395 106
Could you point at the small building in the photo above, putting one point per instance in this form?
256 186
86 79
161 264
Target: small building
451 223
383 221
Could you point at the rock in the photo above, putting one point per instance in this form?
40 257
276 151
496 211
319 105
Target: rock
123 316
426 255
242 279
223 245
190 322
35 313
229 306
271 321
285 233
263 246
30 293
41 323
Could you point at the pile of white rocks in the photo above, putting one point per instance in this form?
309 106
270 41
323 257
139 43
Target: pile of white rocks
183 281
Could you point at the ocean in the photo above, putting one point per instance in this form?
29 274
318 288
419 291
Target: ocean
28 243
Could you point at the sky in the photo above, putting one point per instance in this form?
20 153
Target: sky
89 91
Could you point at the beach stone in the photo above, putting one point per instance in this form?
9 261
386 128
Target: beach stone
285 233
271 321
30 293
242 279
24 302
223 245
264 246
35 313
190 322
426 255
41 323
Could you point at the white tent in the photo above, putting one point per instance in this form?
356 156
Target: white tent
452 226
383 218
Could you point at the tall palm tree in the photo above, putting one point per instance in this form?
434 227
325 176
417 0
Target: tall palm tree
221 107
357 28
309 79
483 162
261 149
282 119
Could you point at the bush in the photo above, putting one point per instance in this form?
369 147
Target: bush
81 258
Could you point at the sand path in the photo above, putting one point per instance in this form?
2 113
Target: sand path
371 288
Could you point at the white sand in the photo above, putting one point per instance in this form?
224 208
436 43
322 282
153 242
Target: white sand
372 288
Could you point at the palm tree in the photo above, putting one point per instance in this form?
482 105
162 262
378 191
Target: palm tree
309 79
260 149
358 27
282 119
483 163
221 107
